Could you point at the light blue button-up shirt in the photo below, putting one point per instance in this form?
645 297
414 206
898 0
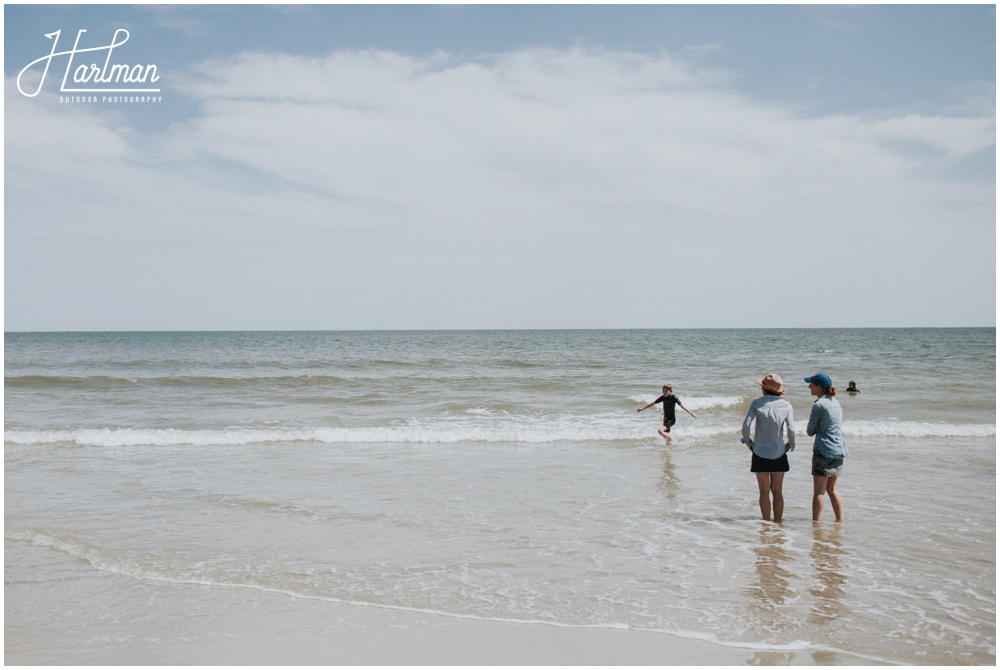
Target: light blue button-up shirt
824 422
772 415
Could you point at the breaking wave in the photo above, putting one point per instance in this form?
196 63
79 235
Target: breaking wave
477 426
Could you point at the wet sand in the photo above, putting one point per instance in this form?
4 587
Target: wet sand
179 624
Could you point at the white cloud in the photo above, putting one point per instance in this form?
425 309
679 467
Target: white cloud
578 119
549 184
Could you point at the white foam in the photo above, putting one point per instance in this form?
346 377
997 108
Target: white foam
893 428
417 432
473 426
696 402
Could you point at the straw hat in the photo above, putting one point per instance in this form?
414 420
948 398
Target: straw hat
772 383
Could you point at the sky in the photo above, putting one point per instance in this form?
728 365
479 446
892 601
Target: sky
356 167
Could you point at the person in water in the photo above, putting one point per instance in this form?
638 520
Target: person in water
669 401
852 387
829 450
773 421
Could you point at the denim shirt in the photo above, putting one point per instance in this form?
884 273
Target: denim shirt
824 422
771 413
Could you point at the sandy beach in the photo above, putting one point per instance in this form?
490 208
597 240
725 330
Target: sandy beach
194 625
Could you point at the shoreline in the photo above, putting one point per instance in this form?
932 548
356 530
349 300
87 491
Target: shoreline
177 624
417 639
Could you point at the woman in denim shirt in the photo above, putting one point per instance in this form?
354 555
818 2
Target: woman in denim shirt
829 449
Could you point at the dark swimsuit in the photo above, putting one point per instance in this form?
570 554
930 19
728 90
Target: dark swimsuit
669 413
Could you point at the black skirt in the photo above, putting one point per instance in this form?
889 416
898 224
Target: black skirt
769 465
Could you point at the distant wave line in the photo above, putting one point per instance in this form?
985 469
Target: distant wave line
205 381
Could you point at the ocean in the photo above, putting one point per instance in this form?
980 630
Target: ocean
500 476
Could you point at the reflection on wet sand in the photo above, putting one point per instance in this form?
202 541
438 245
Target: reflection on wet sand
826 557
773 578
771 593
776 604
668 482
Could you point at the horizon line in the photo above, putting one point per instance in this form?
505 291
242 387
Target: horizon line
473 330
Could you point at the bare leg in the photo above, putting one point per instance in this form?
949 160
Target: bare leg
665 434
819 489
764 490
835 501
779 500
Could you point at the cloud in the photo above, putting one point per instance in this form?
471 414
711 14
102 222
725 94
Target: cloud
837 25
703 50
545 182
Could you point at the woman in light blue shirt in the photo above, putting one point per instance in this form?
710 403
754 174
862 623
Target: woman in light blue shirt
774 419
829 449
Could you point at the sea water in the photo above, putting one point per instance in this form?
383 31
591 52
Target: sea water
503 476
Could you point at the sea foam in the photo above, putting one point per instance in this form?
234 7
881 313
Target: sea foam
479 427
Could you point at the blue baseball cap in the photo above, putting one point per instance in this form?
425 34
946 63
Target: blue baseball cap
820 379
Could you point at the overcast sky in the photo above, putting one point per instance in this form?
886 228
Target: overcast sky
465 166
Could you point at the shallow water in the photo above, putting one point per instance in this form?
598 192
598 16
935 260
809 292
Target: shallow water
505 475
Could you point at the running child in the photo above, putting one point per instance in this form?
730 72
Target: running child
670 401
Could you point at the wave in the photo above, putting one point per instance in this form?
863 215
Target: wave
105 382
696 402
41 382
476 426
893 428
415 433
